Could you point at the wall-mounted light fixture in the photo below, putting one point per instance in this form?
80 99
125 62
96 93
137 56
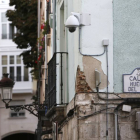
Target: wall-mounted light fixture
6 86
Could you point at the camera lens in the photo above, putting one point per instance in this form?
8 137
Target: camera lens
72 29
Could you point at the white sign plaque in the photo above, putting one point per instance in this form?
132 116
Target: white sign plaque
131 82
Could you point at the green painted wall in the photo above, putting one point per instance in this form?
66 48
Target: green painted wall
126 16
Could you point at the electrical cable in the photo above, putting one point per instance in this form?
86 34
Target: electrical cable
95 113
87 54
110 99
131 113
104 93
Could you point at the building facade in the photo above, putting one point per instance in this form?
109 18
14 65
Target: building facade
12 123
92 87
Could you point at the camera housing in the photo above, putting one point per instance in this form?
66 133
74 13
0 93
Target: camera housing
72 23
77 19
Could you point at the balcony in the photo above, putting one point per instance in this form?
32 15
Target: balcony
51 87
55 85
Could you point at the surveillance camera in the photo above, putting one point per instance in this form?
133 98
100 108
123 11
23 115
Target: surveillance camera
71 23
72 29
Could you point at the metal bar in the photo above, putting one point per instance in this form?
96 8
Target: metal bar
116 126
61 81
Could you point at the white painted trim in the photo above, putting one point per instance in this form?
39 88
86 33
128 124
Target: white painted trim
22 91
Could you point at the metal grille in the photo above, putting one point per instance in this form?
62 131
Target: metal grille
51 89
51 81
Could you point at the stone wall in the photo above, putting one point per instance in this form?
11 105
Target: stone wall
93 126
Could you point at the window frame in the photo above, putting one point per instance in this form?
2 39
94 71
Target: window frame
7 28
18 77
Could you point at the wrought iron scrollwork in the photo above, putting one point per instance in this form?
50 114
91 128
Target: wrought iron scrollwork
32 108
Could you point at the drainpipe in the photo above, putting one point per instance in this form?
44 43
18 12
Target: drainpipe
38 46
39 120
116 126
54 26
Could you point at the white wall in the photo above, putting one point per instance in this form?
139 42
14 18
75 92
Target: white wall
15 125
101 28
91 38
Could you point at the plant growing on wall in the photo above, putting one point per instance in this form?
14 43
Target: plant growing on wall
46 28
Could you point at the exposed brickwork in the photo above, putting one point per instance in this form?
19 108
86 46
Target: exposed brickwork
81 84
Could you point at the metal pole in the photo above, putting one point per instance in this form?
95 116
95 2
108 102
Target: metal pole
38 86
61 81
54 26
116 126
107 96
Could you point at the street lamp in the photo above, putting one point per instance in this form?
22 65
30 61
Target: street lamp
6 86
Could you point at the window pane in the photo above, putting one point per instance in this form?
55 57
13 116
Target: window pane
18 59
12 73
11 31
26 74
14 114
4 31
11 59
19 73
4 70
4 60
21 114
3 17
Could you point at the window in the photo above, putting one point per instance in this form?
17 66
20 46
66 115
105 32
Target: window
18 60
18 73
17 114
3 17
21 113
12 73
26 74
4 60
11 59
7 27
11 31
4 31
4 69
14 66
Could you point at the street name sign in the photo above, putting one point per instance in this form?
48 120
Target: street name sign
131 82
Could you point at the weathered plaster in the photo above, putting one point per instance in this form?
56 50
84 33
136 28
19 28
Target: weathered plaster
94 126
90 64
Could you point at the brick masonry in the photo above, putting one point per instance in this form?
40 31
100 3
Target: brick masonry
81 84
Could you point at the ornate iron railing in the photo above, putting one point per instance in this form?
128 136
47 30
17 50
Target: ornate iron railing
51 81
